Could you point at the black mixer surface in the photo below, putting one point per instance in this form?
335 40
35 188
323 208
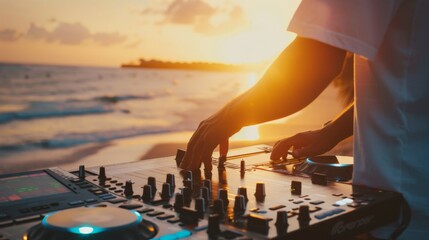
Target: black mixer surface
250 198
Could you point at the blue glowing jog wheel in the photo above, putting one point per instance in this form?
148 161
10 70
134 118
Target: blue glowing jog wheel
93 223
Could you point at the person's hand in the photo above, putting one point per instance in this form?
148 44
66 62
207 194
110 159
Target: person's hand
210 133
311 143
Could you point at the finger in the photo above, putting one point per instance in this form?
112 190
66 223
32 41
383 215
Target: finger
305 152
281 148
224 147
206 158
189 157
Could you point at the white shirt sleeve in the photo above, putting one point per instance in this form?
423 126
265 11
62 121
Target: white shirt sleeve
353 25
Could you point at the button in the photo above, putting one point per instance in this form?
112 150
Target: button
337 210
155 213
39 208
317 202
27 219
298 202
119 184
131 206
354 205
87 185
98 192
6 223
277 207
117 200
112 188
254 209
90 200
74 203
109 197
337 194
145 210
165 216
3 215
173 220
320 216
113 181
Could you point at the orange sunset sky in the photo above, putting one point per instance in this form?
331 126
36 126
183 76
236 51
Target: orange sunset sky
111 32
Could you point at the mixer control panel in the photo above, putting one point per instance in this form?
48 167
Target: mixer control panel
248 197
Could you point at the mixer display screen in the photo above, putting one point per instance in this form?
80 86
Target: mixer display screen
28 186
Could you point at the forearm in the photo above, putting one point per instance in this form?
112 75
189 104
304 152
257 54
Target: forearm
342 126
294 80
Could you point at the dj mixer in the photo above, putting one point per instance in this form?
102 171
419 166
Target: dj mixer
246 196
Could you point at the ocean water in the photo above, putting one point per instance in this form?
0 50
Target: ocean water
48 108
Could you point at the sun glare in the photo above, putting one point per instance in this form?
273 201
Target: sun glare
250 133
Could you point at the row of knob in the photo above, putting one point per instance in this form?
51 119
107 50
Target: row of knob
184 197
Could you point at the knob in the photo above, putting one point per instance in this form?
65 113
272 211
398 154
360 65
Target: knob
218 207
188 183
239 205
204 193
170 180
281 221
296 187
187 175
258 223
179 202
188 216
128 190
213 227
179 156
82 171
147 195
166 192
242 168
304 215
260 192
208 184
200 206
243 191
223 195
187 195
102 174
152 182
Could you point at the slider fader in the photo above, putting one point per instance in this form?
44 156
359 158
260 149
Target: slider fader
245 198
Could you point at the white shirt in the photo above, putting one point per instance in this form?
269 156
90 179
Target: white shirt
390 39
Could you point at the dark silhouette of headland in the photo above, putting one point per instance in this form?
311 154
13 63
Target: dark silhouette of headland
206 66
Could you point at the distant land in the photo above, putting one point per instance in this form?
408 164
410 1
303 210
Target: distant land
206 66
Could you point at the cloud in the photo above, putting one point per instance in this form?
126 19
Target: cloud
188 12
37 32
70 33
106 39
9 35
201 16
74 34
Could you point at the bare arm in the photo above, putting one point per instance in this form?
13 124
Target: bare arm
313 143
301 72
